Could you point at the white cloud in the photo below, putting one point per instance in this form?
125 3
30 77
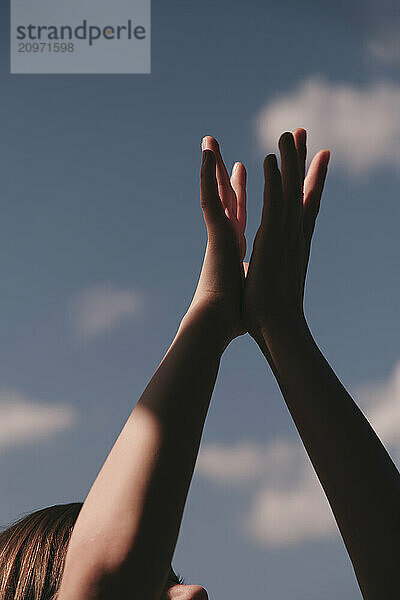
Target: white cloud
384 45
23 420
381 404
100 308
287 503
280 517
361 126
235 464
246 461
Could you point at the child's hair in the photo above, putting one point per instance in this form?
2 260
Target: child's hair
33 551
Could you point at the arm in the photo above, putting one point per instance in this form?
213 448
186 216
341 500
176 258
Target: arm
125 536
359 478
126 532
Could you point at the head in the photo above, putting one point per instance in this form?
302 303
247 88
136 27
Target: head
33 551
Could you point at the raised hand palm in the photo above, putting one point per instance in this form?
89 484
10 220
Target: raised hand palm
223 200
274 286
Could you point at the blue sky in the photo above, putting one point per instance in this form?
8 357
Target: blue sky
101 244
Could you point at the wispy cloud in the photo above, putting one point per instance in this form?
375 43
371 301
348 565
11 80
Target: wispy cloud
380 402
98 309
384 45
287 504
361 126
291 510
23 420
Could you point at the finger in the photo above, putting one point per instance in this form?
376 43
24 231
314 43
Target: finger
225 189
300 141
273 204
209 198
238 182
313 188
290 185
271 226
245 268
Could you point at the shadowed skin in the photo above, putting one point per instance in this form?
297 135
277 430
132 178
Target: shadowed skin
124 538
359 478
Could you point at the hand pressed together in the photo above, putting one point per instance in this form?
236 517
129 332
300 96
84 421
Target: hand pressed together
250 296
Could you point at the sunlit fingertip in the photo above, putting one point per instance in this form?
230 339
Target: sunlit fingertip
209 142
204 141
300 131
239 170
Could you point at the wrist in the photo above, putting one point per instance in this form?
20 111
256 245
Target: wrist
281 325
215 328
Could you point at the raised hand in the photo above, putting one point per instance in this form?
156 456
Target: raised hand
139 492
276 275
223 200
353 467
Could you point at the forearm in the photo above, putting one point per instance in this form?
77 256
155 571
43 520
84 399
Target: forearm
128 526
359 478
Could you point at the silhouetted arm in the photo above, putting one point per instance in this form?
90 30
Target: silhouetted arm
125 535
359 478
124 538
